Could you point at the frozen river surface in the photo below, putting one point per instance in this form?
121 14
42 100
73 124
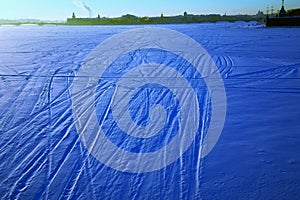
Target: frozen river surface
45 155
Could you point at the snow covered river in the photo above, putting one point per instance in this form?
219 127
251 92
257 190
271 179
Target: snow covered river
45 155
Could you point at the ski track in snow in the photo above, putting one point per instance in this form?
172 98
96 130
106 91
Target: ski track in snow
41 156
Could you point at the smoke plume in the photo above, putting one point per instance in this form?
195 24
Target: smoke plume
84 7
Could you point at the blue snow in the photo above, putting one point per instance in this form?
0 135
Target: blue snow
256 157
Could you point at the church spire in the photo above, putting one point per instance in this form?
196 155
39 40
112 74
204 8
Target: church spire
282 11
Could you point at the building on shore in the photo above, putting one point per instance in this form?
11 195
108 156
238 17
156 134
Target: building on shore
162 19
284 18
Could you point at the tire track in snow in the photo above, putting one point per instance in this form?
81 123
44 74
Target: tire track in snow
225 64
59 119
260 80
43 104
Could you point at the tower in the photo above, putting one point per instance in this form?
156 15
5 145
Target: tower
282 11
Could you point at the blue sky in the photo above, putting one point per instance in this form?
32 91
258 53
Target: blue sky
61 9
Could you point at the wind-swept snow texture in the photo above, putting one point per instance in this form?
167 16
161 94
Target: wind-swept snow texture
43 154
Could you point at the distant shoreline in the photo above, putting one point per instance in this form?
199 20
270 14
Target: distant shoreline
129 19
134 20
